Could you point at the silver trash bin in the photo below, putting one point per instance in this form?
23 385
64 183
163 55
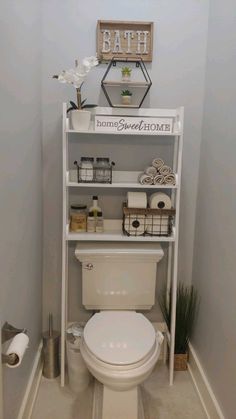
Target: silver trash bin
78 373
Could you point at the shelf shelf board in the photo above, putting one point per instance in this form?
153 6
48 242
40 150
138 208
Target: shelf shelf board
113 232
91 131
120 180
120 185
116 236
120 105
126 83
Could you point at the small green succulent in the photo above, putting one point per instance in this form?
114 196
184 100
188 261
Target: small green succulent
126 93
126 71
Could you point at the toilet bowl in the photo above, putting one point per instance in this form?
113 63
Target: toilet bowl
120 348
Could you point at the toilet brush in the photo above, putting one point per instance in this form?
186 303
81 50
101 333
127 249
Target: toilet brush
51 342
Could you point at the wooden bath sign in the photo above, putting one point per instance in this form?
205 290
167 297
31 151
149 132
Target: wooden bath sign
126 40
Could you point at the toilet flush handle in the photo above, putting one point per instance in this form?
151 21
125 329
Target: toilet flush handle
88 266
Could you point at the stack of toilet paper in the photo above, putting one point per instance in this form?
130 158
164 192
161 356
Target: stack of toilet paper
157 174
136 224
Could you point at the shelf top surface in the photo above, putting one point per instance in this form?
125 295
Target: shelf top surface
120 179
130 83
133 185
116 236
144 112
129 112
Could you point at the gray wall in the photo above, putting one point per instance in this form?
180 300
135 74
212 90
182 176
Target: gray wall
215 244
177 72
20 185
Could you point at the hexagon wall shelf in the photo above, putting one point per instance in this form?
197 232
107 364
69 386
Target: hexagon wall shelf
114 85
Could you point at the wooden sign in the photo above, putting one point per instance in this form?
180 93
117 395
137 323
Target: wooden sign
134 125
128 40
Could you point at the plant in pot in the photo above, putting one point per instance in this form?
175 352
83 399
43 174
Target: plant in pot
79 114
126 97
126 73
187 303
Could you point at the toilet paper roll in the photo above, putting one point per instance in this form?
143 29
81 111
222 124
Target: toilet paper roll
136 200
18 347
135 225
160 200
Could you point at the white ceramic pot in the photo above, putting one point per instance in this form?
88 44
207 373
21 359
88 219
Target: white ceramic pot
126 100
80 119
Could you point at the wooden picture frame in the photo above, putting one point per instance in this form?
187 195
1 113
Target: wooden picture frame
124 40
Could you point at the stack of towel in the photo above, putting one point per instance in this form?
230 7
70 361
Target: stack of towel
157 174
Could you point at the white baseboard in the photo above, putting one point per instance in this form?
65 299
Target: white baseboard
27 404
204 390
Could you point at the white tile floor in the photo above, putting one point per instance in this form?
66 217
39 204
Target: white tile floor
160 400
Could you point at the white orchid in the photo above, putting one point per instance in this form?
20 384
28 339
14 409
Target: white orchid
76 76
89 62
72 77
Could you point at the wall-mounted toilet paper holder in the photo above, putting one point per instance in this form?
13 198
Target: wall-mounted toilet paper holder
9 332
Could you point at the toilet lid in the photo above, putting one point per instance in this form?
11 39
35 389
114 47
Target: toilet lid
119 337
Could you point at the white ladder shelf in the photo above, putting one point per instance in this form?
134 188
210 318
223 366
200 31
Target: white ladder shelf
113 228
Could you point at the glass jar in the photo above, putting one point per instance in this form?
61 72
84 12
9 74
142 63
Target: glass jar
86 169
78 218
103 170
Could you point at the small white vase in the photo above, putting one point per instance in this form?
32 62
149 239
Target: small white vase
80 119
126 100
126 77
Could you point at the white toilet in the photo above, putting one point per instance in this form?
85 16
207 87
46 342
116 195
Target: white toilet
120 346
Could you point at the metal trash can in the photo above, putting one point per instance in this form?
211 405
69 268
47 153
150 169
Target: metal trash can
78 373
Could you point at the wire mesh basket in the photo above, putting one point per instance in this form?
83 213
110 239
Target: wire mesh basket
147 221
96 174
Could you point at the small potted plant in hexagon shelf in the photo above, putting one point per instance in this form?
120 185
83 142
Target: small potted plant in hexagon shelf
126 96
187 303
126 73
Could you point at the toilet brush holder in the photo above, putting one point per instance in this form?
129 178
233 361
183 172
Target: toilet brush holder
51 345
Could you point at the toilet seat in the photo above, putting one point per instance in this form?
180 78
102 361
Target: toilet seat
120 338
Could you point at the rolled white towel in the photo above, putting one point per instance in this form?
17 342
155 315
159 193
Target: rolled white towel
165 170
145 179
170 179
159 179
151 170
158 163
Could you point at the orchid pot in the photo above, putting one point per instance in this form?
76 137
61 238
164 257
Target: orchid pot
80 119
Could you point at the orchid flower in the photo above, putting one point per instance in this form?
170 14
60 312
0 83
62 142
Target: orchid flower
76 76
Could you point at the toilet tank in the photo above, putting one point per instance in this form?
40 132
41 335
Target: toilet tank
118 276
